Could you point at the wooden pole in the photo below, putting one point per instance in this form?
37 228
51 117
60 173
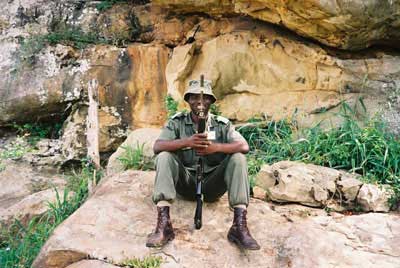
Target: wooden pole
92 131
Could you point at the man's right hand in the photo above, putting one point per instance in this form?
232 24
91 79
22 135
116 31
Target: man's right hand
198 141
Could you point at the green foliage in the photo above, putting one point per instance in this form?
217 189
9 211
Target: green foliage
214 109
15 150
134 158
366 148
146 262
106 4
20 244
34 132
171 105
254 164
30 48
75 37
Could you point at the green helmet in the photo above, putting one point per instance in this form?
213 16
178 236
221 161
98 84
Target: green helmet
195 88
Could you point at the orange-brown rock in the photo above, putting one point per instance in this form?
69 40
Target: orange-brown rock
132 80
266 72
351 24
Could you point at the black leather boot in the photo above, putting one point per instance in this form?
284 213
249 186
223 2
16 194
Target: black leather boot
239 233
163 232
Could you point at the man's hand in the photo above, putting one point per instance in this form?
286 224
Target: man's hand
198 141
210 149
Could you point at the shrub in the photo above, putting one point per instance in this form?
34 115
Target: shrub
171 106
134 158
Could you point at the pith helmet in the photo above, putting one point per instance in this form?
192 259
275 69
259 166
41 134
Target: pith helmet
195 88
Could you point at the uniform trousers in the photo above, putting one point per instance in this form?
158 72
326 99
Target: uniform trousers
173 178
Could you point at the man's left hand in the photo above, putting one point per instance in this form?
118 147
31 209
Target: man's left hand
210 149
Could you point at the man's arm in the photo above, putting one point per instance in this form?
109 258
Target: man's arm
197 142
238 146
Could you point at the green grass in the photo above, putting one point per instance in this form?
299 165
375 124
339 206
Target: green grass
134 158
366 148
146 262
20 244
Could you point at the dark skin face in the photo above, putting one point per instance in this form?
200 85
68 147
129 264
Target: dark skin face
194 103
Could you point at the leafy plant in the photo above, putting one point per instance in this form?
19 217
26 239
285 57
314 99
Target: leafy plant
34 132
171 105
214 109
146 262
134 158
15 150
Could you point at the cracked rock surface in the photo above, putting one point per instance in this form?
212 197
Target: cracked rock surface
113 224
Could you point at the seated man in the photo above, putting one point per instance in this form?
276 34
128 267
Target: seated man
225 168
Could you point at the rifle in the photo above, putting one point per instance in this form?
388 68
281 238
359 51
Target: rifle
201 127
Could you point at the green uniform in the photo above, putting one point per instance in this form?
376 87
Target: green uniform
176 170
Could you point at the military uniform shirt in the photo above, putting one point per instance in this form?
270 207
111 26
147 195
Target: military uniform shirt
181 126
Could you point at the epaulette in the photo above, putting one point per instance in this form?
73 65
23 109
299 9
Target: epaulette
222 119
177 115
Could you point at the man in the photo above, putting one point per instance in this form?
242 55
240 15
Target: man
225 167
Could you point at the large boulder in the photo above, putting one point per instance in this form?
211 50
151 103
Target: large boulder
351 24
262 71
307 184
318 186
113 224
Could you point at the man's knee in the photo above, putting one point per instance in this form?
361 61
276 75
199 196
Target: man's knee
165 159
238 159
165 156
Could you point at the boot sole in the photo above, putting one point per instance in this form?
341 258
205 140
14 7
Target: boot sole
239 244
162 244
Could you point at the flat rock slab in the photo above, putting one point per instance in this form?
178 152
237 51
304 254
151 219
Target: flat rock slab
25 191
113 224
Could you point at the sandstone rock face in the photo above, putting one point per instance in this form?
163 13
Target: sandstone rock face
263 72
138 137
74 140
374 198
344 24
252 66
25 193
41 80
114 223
